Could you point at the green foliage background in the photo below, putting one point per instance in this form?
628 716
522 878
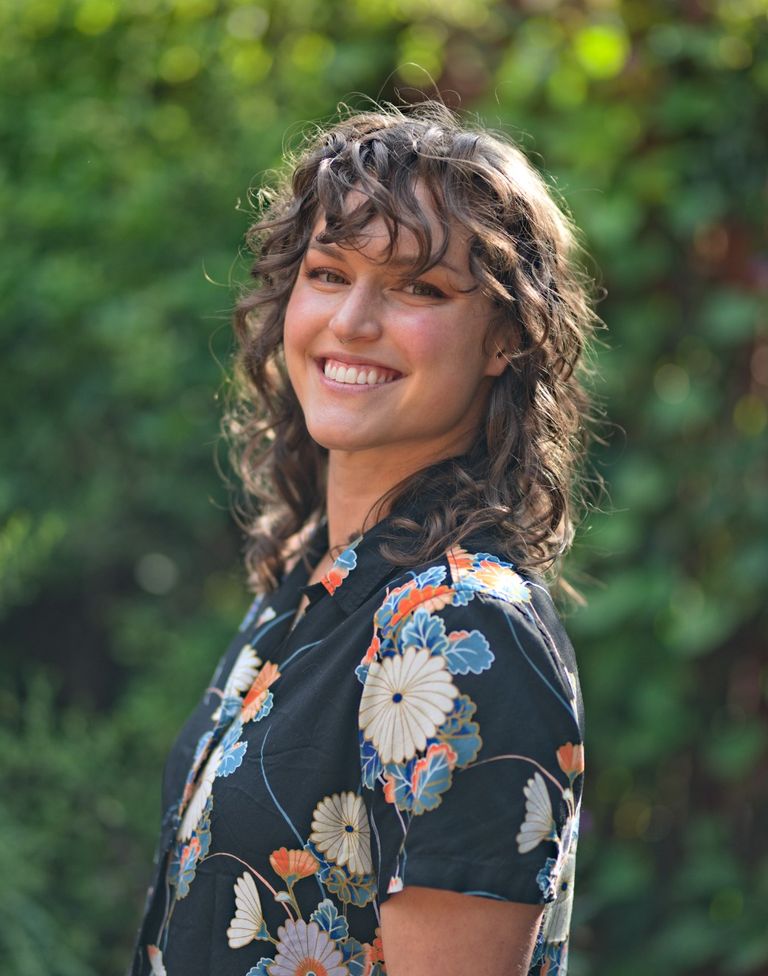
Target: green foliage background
130 129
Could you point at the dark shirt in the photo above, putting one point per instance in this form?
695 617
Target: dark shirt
415 727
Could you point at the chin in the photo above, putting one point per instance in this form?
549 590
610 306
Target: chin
339 440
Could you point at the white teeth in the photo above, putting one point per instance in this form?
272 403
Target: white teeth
364 376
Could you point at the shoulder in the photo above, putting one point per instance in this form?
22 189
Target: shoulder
474 586
474 609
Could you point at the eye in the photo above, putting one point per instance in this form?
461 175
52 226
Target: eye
422 289
326 276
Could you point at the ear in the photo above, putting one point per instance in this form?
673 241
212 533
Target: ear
498 361
497 343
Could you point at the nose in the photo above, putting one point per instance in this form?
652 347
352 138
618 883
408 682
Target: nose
357 314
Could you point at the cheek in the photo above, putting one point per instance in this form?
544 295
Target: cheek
452 347
295 328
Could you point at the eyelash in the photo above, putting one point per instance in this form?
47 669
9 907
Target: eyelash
430 291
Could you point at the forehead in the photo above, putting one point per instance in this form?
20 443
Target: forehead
419 237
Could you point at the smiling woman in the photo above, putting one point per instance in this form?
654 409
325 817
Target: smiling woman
401 705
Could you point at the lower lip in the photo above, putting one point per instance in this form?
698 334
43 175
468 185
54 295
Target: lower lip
353 387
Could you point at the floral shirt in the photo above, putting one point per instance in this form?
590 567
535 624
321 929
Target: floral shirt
418 727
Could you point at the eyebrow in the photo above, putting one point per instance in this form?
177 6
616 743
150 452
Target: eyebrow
400 261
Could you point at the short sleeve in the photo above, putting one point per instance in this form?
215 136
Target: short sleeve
470 738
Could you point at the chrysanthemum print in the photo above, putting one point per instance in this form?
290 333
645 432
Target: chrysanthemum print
406 697
341 832
303 949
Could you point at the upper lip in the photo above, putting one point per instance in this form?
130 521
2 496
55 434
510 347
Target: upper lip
350 360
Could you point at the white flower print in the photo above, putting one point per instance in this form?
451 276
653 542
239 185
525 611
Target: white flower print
502 582
248 922
557 915
405 700
243 672
305 949
340 829
156 961
203 790
539 824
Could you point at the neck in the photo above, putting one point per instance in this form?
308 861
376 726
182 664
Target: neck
356 483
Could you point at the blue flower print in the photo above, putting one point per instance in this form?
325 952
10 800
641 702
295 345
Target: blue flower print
232 751
327 917
468 651
188 854
370 762
460 732
352 889
546 879
424 630
261 968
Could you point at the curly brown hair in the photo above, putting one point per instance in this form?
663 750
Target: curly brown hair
522 478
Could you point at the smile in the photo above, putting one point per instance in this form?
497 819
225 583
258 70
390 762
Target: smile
359 375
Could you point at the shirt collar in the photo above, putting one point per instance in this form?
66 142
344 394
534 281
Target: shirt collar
357 571
360 569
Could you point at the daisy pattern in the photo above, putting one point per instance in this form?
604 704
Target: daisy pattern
241 677
200 797
539 823
341 831
244 671
248 921
304 949
405 700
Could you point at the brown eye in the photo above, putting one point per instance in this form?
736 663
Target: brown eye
423 289
326 276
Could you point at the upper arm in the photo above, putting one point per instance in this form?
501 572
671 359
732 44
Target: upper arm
427 932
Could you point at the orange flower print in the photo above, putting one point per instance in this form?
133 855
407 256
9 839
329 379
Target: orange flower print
257 693
389 788
292 865
429 597
341 569
377 948
333 580
571 759
459 561
373 650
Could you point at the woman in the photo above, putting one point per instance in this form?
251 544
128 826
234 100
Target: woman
388 762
